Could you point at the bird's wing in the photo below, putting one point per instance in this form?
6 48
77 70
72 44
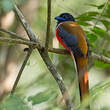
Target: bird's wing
74 36
70 40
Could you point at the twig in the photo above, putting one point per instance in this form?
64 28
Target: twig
26 26
59 51
12 34
21 70
17 41
48 24
92 54
100 58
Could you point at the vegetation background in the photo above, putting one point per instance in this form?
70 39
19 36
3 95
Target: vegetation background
37 89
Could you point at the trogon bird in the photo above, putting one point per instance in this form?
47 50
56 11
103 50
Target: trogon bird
73 38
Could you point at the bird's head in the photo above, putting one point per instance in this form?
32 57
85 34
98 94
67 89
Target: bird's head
64 17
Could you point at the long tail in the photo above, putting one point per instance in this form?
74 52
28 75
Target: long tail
81 68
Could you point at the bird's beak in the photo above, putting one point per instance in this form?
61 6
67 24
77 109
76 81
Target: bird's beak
59 18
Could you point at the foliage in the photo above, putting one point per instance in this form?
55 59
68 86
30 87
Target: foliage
14 103
42 97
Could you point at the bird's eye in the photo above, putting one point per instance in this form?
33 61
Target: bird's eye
64 16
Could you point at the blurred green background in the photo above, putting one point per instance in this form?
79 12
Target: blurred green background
37 89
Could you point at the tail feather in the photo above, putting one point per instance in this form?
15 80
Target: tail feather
81 68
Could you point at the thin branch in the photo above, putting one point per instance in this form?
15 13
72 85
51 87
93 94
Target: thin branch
12 34
26 26
59 51
17 41
100 58
21 70
92 54
48 25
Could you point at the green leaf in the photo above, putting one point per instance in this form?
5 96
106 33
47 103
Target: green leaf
28 63
100 64
99 31
7 5
105 108
106 23
85 18
14 103
108 52
98 89
108 38
90 13
98 6
40 97
92 37
54 108
101 6
94 46
107 13
83 23
88 16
